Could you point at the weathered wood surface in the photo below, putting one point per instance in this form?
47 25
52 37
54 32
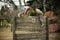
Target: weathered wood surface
28 23
28 28
6 34
54 36
31 36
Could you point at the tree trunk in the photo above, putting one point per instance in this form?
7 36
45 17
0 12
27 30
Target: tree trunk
20 3
44 5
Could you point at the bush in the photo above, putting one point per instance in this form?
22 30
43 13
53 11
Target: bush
58 12
32 13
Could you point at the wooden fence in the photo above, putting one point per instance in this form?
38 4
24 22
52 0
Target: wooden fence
28 28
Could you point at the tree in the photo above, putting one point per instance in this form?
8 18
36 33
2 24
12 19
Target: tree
44 5
20 2
10 2
53 5
37 4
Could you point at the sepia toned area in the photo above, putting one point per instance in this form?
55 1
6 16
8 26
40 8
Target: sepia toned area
28 28
29 19
6 34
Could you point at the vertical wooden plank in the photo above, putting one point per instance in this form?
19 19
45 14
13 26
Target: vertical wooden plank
47 31
14 28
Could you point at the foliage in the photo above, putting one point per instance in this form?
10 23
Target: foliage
58 12
4 23
32 13
2 10
10 2
51 5
29 3
35 4
5 15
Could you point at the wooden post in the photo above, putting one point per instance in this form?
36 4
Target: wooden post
47 31
14 28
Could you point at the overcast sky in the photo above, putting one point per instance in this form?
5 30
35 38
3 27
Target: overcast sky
15 1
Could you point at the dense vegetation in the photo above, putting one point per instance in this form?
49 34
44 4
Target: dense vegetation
50 5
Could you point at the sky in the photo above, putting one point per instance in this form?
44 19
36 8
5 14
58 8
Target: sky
15 1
